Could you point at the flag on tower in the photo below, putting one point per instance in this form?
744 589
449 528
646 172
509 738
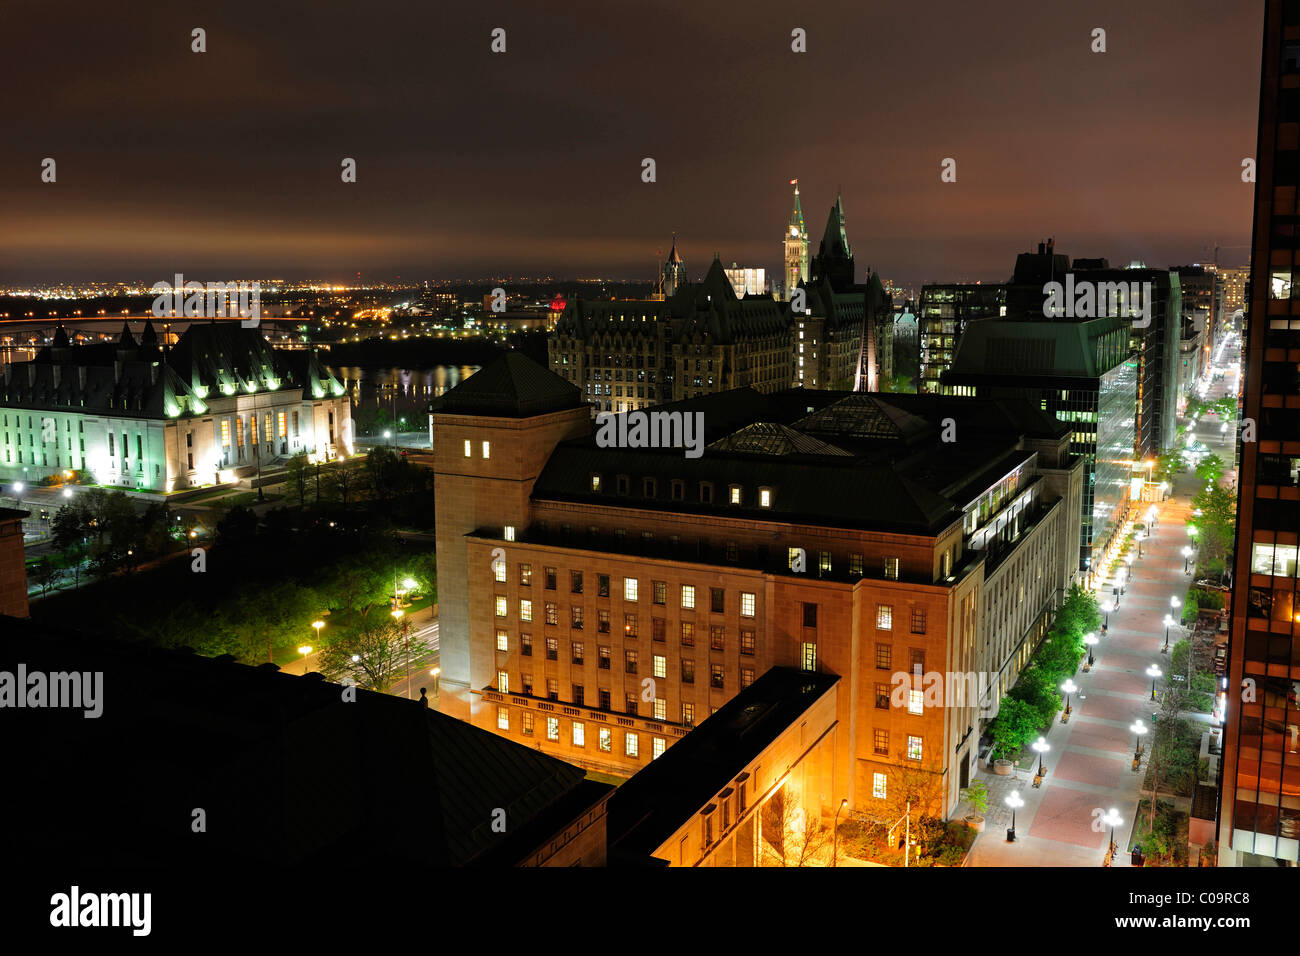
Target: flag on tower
794 182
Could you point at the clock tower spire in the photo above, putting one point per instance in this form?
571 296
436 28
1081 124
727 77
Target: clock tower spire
796 246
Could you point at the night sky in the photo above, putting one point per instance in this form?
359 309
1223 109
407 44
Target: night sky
471 164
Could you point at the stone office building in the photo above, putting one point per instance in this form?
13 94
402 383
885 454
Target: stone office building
598 603
212 408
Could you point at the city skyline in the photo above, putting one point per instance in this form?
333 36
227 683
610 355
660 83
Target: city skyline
534 169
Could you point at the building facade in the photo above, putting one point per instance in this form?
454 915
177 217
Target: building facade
215 407
1259 816
943 314
614 598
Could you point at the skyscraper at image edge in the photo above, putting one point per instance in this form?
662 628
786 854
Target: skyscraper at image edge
1259 814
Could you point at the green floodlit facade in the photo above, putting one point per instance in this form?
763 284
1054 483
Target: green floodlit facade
211 409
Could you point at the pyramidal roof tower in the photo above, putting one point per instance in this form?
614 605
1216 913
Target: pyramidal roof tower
795 245
834 259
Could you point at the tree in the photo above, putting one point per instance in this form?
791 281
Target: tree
977 795
296 475
371 652
793 836
47 574
272 618
340 484
237 529
387 473
1015 725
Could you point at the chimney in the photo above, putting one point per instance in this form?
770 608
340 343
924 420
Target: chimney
153 373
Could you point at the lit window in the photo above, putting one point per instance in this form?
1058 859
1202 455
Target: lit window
735 494
579 734
657 748
552 728
661 709
503 641
913 748
525 610
510 532
503 718
499 571
629 589
878 786
746 604
606 739
487 449
661 666
808 656
688 596
595 482
468 448
891 569
225 433
884 617
630 744
503 682
915 702
501 605
282 426
765 497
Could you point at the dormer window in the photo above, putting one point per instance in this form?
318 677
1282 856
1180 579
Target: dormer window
679 490
595 483
734 494
706 493
765 497
623 484
649 487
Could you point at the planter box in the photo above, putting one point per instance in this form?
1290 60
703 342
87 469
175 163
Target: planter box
975 822
1002 767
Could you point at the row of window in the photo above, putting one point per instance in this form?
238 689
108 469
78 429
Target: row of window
578 734
631 591
632 701
577 649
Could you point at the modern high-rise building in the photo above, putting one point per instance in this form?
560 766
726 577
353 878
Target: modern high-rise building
1234 289
747 280
1082 373
795 246
599 601
1202 309
944 312
1259 815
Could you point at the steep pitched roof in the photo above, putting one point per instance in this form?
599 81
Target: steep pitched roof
512 386
835 241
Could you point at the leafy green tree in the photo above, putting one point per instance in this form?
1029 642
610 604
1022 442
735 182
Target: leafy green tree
1015 725
47 574
372 652
296 477
272 618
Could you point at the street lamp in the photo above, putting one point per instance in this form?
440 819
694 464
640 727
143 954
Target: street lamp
434 674
1091 640
1069 689
397 616
1153 672
1106 609
1175 604
304 650
1015 803
1112 819
388 436
1187 557
835 846
1042 746
1139 729
1168 623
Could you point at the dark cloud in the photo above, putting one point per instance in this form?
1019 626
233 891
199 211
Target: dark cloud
471 163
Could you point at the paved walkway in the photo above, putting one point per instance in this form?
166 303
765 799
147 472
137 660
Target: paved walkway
1090 764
